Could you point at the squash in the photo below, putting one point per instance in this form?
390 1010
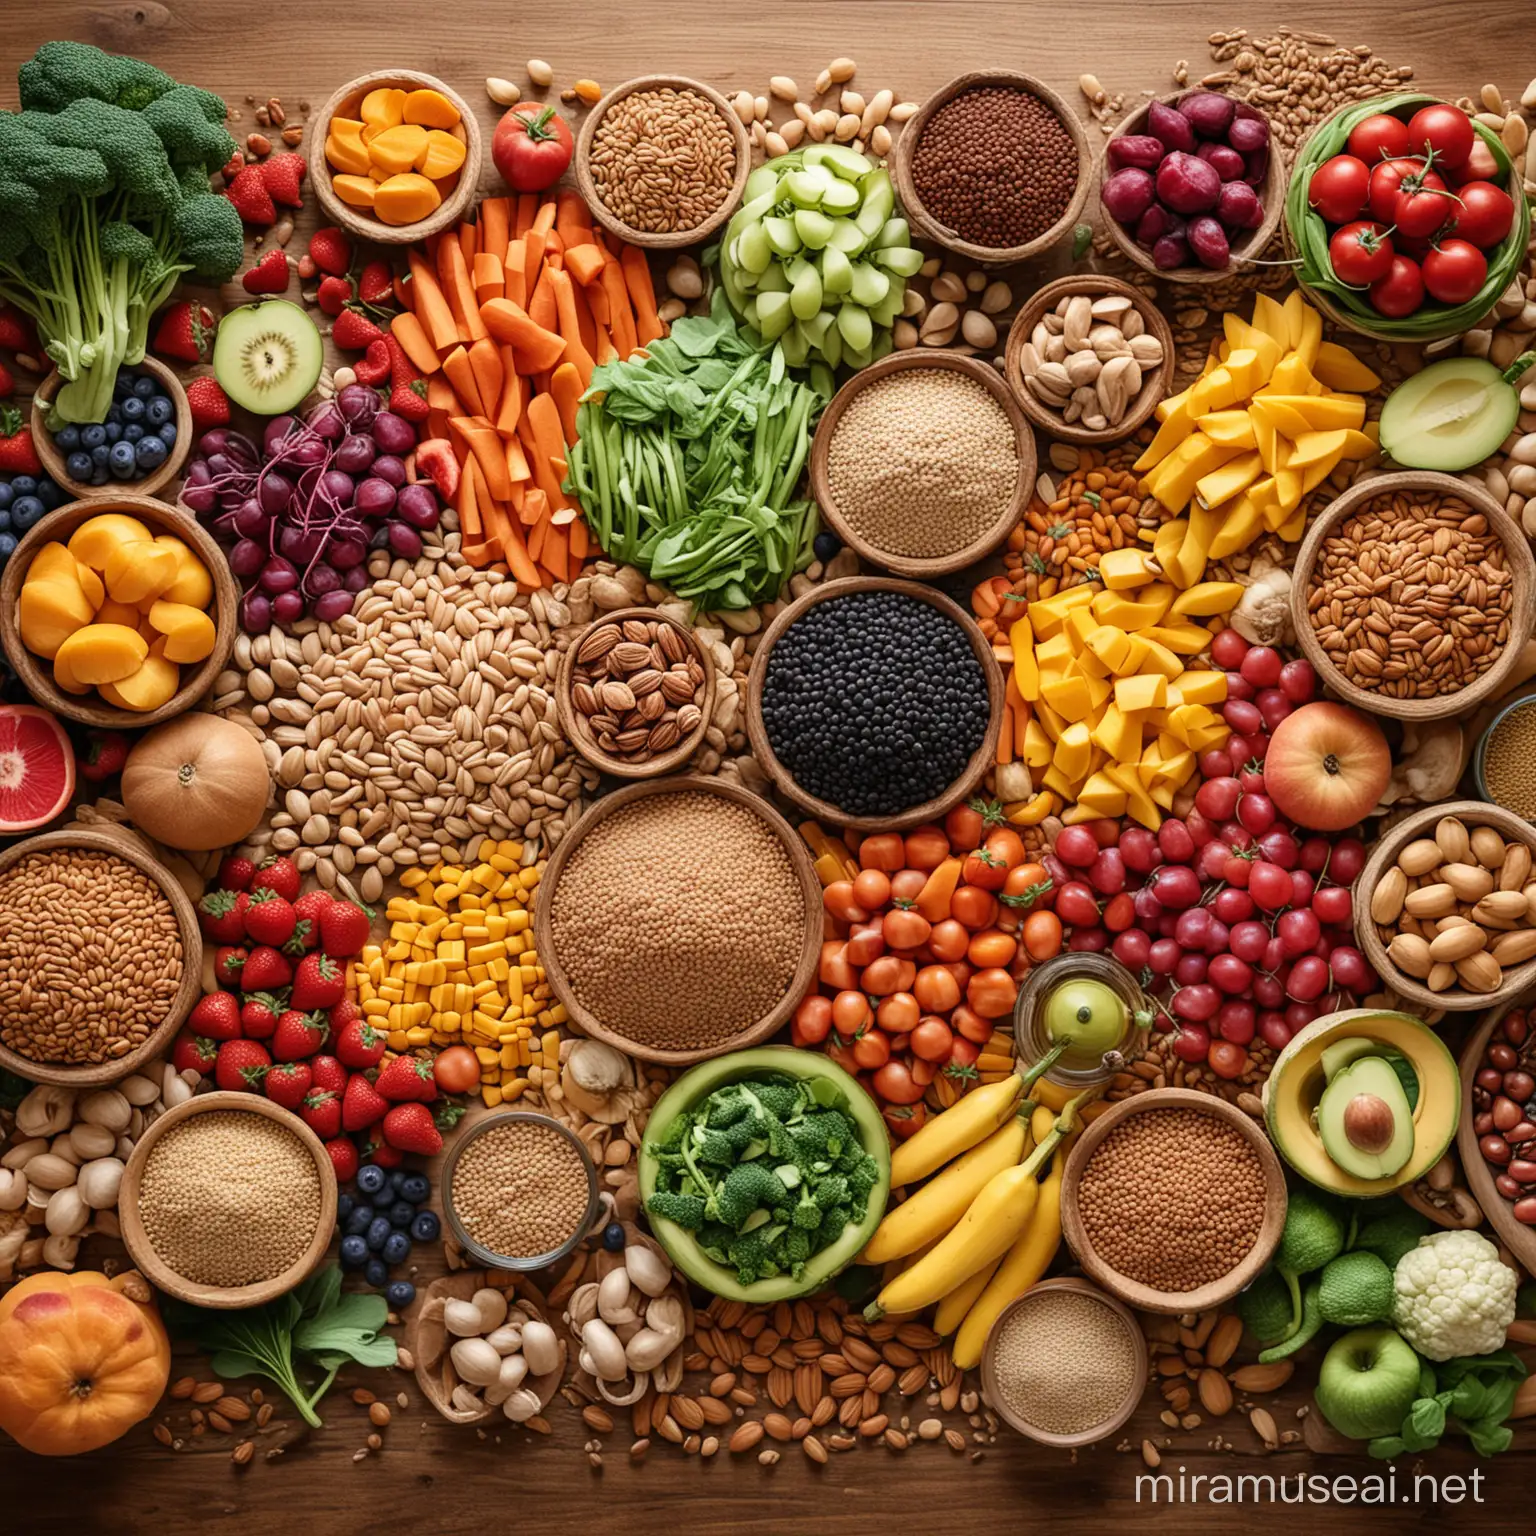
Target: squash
82 1360
196 783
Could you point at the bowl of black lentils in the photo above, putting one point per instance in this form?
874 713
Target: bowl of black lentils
874 703
994 166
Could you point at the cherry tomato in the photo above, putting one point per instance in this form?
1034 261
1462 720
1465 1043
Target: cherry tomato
834 969
907 884
1119 912
992 993
893 1082
1076 906
886 975
1485 214
1007 847
904 1121
1454 271
960 970
927 847
1339 187
985 870
964 1054
936 989
932 1039
967 1022
885 850
813 1019
1478 166
974 907
866 943
871 1050
1401 291
1227 1058
1443 132
872 889
1378 137
1077 846
967 824
1387 180
898 1014
850 1013
991 947
949 940
1042 935
841 1051
456 1070
1360 252
1027 887
906 929
923 1072
839 900
1421 210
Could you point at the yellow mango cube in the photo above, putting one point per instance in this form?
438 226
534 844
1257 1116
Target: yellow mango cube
1147 691
1068 696
1110 644
1101 795
1206 599
1160 660
1183 639
1122 568
1232 429
1119 733
1148 606
1074 752
383 108
1037 746
1048 615
1203 687
1225 482
1338 368
1138 803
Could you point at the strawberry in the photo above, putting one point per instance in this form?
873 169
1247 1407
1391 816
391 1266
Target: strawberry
228 963
102 756
384 1155
241 1066
343 1158
266 970
409 1127
408 390
195 1051
279 873
321 1112
270 275
217 1015
331 251
253 202
299 1035
287 1083
233 166
329 1073
281 175
16 333
221 915
361 1104
236 873
319 982
333 294
343 1013
186 332
259 1014
306 930
373 367
208 403
376 283
17 455
354 331
270 918
361 1045
407 1077
343 929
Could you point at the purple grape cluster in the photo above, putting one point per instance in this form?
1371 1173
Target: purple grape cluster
303 510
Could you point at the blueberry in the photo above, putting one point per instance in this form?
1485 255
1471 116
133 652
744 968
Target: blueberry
376 1273
150 452
7 546
398 1249
122 385
397 1177
99 474
122 462
371 1178
25 511
826 545
354 1252
24 485
114 413
345 1205
133 432
378 1233
7 491
168 433
100 453
399 1294
613 1237
114 431
158 411
5 517
401 1214
145 387
67 439
133 409
426 1226
415 1187
49 494
78 466
358 1223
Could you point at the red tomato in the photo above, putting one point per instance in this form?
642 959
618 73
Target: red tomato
884 850
813 1019
839 900
834 969
1485 215
907 884
1006 846
850 1013
840 1051
1401 291
1076 905
992 993
1454 271
1386 180
1378 137
966 825
1360 252
960 970
927 847
456 1070
871 1050
949 940
973 907
1119 912
982 868
888 974
532 146
1479 165
1443 132
1339 186
1028 886
991 947
924 1072
866 943
872 889
966 1021
1227 1059
936 989
932 1039
904 1121
1042 935
963 1054
906 929
898 1014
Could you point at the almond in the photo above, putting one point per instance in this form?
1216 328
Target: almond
1452 839
233 1409
777 1426
1224 1339
688 1413
1419 857
850 1384
1470 882
1215 1393
1263 1378
598 643
814 1449
1264 1427
745 1436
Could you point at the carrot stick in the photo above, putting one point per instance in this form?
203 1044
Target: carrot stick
572 218
637 278
597 301
431 306
578 536
490 277
527 210
488 462
535 508
489 372
507 322
585 262
552 557
517 273
468 504
543 308
457 284
415 342
554 249
570 324
621 317
544 422
517 462
469 242
495 226
565 389
585 326
605 351
462 376
513 396
519 561
404 296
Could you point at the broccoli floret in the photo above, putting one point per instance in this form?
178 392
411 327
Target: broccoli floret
748 1188
685 1210
833 1190
780 1098
832 1224
62 72
807 1213
727 1107
190 139
715 1238
862 1180
797 1245
822 1137
751 1258
852 1155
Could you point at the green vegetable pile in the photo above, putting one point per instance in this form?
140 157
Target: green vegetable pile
104 204
765 1172
688 462
1470 1396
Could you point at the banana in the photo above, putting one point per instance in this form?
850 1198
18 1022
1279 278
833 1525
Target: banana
956 1130
957 1305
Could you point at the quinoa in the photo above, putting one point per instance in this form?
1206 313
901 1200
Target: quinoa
1509 762
922 462
521 1189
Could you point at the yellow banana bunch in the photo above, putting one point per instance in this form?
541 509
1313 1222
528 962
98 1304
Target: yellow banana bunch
957 1304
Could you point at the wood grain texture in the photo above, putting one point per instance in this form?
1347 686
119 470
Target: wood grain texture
441 1481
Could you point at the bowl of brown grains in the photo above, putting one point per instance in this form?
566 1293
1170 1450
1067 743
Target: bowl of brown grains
662 161
1413 595
635 693
1173 1201
519 1190
994 166
101 957
228 1201
679 919
1064 1364
923 462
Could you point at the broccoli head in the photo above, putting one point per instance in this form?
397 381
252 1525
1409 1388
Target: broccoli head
822 1137
751 1258
807 1213
727 1108
686 1210
833 1221
190 139
136 160
62 72
715 1238
779 1097
747 1188
833 1190
797 1245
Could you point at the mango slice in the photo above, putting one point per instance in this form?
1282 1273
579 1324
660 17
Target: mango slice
114 612
49 612
355 191
431 109
383 108
103 653
66 679
138 571
53 560
193 584
98 536
90 584
398 150
444 154
405 199
152 684
344 146
189 632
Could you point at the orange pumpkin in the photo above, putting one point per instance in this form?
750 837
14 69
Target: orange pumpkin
82 1359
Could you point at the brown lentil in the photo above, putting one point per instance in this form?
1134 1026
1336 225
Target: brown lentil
92 956
229 1198
638 685
996 165
520 1189
1172 1198
1509 762
923 462
679 919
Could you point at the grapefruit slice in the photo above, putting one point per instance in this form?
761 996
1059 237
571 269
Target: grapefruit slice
37 768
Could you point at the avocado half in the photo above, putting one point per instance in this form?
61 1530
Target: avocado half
1330 1052
1450 415
788 1061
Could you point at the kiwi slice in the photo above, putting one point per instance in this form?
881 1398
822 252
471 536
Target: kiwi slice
268 356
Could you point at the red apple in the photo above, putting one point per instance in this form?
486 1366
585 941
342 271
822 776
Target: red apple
1327 766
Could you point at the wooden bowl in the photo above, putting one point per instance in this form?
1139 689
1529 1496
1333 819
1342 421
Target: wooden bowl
36 674
662 240
940 233
359 222
573 724
991 1389
53 460
755 1033
1133 1292
429 1341
924 566
1244 251
824 811
99 1074
1421 823
224 1297
1517 552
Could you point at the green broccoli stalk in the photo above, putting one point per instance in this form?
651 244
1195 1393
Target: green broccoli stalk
686 1210
749 1187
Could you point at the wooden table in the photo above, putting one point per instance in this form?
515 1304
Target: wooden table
436 1479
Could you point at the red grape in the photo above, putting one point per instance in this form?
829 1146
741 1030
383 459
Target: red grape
1237 753
1239 688
1106 831
1191 970
1269 885
1119 912
1091 940
1273 960
1267 992
1192 926
1131 948
1261 666
1299 1015
1148 908
1334 905
1347 860
1228 649
1256 812
1273 705
1232 905
1247 941
1077 846
1212 861
1257 746
1107 872
1350 970
1308 979
1162 957
1177 846
1216 938
1314 855
1217 798
1192 1042
1236 1021
1238 871
1252 780
1228 1060
1279 847
1302 885
1075 905
1198 1002
1273 1029
1243 717
1139 849
1231 975
1236 836
1200 827
1298 932
1298 682
1177 886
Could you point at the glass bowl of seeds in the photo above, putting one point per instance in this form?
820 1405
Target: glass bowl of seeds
1504 762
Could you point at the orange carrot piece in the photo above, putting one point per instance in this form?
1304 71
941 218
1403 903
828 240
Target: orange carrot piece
543 308
554 249
536 537
572 217
469 242
535 508
543 419
517 461
527 210
468 505
544 219
432 306
440 396
621 315
510 323
495 226
585 325
579 541
488 462
490 277
637 279
462 376
458 286
404 296
489 371
516 267
597 301
585 262
513 395
570 324
565 389
605 351
519 561
415 342
552 557
1005 739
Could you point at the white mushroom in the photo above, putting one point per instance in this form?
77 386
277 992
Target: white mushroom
648 1270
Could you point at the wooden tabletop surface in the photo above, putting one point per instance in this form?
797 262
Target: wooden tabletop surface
440 1480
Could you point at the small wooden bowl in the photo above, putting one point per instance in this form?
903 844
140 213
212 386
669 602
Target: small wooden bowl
992 1391
923 567
1254 241
429 1341
1155 382
927 224
573 725
224 1297
98 1075
1133 1292
755 1033
662 240
822 810
53 460
1522 616
359 222
1515 1235
36 674
1475 813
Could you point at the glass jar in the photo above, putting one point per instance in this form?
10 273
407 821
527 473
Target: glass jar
1079 1066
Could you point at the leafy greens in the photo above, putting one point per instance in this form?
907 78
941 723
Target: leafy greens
1473 1395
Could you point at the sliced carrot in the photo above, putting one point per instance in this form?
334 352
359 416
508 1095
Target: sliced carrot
934 898
544 422
469 507
536 535
585 262
490 277
621 315
510 323
579 541
517 269
485 445
527 210
457 285
585 325
637 279
513 395
552 557
415 342
462 376
605 351
565 389
572 217
519 562
469 242
535 508
490 372
554 249
517 461
597 301
442 404
404 297
543 308
570 324
431 305
495 226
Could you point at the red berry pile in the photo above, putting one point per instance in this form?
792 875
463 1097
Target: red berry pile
1503 1103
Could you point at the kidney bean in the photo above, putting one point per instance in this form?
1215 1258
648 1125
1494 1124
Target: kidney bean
1507 1187
1506 1113
1520 1133
1491 1079
1503 1057
1482 1124
1515 1027
1495 1149
1519 1086
1522 1170
1525 1211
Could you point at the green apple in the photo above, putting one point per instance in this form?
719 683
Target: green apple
1368 1382
1085 1016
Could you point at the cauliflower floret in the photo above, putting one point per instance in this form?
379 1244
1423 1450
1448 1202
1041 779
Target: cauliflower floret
1453 1296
